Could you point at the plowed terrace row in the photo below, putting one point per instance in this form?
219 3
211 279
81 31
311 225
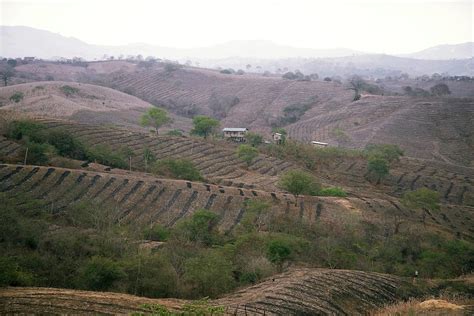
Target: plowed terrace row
145 199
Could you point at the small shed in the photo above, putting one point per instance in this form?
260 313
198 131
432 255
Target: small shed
319 144
277 138
236 134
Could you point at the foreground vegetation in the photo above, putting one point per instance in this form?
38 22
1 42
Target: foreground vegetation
83 246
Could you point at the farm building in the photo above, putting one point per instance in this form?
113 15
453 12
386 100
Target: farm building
277 138
319 144
236 134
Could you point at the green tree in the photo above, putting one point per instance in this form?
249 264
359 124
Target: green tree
100 274
388 152
378 168
254 139
155 118
201 227
278 251
209 274
247 153
66 145
423 198
298 182
178 169
148 157
204 125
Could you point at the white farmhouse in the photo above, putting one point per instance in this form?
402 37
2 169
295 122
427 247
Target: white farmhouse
236 134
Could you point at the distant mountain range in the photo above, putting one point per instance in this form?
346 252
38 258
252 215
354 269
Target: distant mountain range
442 52
20 41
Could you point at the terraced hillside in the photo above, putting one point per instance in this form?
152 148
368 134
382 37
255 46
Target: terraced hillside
443 127
298 292
436 129
217 161
78 101
142 198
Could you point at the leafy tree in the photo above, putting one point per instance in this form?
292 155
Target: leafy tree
66 145
254 139
100 273
17 130
201 228
378 168
298 182
178 169
155 118
278 251
423 198
37 153
247 153
204 125
209 274
440 89
107 156
388 152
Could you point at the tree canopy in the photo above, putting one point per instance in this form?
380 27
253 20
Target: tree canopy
299 182
247 153
204 125
155 118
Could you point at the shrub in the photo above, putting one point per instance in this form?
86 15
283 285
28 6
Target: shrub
99 274
66 145
378 168
68 90
422 198
17 130
178 169
174 132
278 251
209 274
17 97
388 152
254 139
299 182
156 233
335 191
247 153
200 228
440 89
12 275
227 71
37 153
106 156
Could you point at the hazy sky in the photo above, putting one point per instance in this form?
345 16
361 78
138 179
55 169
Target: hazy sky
372 26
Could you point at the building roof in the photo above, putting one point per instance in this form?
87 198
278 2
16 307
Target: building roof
318 143
235 129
